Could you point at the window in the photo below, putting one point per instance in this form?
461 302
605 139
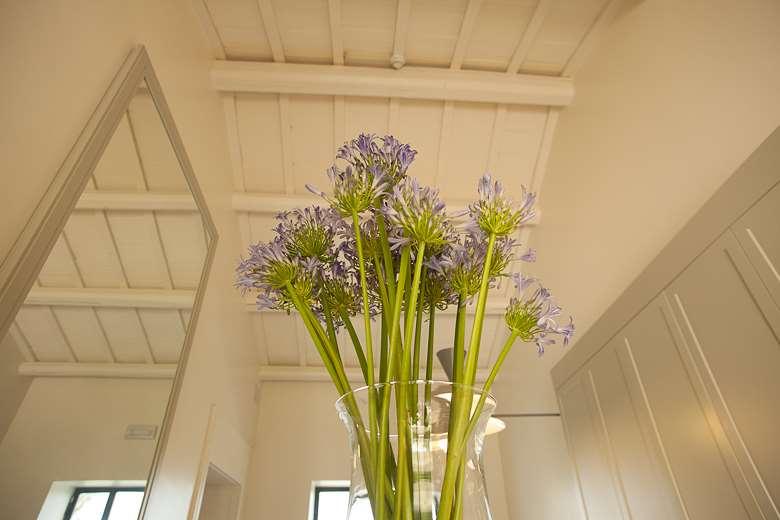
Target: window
105 503
330 502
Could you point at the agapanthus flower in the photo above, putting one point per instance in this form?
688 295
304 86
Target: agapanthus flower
497 214
533 314
367 151
418 213
354 190
309 232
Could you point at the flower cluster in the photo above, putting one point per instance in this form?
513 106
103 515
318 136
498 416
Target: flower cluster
419 215
496 214
532 315
386 154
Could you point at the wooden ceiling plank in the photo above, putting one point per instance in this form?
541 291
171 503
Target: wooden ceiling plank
287 153
529 36
272 29
21 343
540 167
70 352
466 30
407 83
234 142
398 58
495 138
446 127
339 122
592 38
393 122
337 44
209 29
148 352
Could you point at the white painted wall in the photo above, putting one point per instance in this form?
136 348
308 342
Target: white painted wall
300 439
73 429
13 387
58 57
671 103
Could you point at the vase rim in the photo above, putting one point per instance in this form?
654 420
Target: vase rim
490 400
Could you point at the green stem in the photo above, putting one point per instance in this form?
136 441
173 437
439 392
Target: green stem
384 441
479 315
355 342
431 333
418 335
457 345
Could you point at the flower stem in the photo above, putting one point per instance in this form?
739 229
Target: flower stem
355 342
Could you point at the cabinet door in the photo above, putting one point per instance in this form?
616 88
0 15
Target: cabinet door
637 467
694 460
730 327
758 231
590 461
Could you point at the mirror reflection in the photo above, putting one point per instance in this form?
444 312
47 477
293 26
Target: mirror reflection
87 367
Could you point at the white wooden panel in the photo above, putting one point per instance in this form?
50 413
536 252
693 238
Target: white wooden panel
159 162
165 332
467 149
738 354
186 316
638 470
497 33
261 340
757 233
16 337
366 115
305 345
240 29
119 168
92 245
433 31
125 335
518 146
140 250
43 334
420 126
59 269
84 333
281 339
261 145
185 247
565 26
368 30
311 140
538 473
703 478
261 227
305 30
590 461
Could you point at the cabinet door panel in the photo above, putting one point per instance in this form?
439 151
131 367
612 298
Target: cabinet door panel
702 476
639 472
590 461
729 324
758 233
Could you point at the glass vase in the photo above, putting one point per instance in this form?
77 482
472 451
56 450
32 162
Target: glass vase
423 436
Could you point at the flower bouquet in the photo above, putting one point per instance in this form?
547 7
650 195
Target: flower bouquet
384 248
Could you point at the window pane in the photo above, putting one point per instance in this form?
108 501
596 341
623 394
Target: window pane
126 506
332 505
89 506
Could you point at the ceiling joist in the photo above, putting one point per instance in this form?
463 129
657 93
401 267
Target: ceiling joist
127 298
109 370
135 201
407 83
529 36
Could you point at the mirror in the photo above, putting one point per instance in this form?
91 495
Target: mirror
90 359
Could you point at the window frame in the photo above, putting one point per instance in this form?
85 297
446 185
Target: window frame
319 488
111 490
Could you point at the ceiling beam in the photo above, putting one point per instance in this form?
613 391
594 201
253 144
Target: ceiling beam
272 204
407 83
105 370
464 37
529 36
129 298
592 37
135 201
334 11
398 58
279 373
271 29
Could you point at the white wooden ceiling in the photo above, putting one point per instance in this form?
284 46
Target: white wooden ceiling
285 135
120 281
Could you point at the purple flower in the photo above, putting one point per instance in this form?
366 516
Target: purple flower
532 315
529 256
496 214
418 213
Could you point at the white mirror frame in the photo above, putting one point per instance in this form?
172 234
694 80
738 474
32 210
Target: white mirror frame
20 267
